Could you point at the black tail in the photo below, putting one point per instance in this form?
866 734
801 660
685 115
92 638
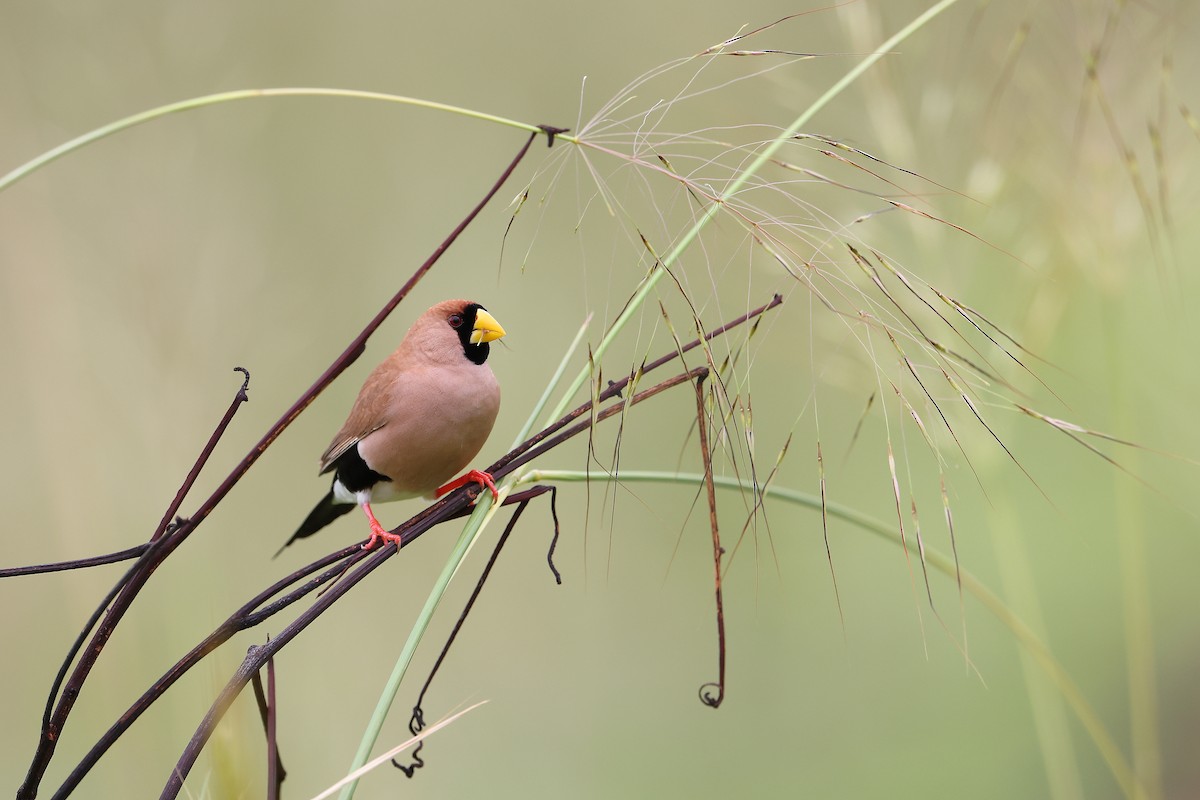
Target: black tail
326 512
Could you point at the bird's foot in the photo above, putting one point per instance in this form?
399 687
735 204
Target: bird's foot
379 533
474 476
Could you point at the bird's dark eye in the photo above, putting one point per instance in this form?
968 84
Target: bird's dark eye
456 320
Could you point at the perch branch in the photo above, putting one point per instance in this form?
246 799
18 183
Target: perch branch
409 531
167 544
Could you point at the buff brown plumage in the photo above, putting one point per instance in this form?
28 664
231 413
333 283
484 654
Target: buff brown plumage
419 419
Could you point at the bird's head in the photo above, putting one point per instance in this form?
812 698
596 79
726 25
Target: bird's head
458 328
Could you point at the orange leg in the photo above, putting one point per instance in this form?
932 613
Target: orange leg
474 476
378 533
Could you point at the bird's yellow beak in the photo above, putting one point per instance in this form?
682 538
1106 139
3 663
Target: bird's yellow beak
486 328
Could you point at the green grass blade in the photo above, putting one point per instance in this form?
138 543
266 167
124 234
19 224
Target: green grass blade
553 384
485 510
132 121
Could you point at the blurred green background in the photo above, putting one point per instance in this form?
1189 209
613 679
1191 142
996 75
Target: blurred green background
137 272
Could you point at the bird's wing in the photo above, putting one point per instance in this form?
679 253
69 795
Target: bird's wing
339 446
370 413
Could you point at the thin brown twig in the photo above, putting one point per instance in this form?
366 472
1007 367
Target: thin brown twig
409 531
256 611
155 555
143 550
265 700
76 563
275 770
54 716
706 697
453 505
615 388
417 722
239 398
450 506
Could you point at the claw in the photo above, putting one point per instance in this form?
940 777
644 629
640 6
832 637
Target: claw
474 476
378 533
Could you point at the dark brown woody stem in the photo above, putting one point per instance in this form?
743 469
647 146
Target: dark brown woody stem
155 555
706 696
439 512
